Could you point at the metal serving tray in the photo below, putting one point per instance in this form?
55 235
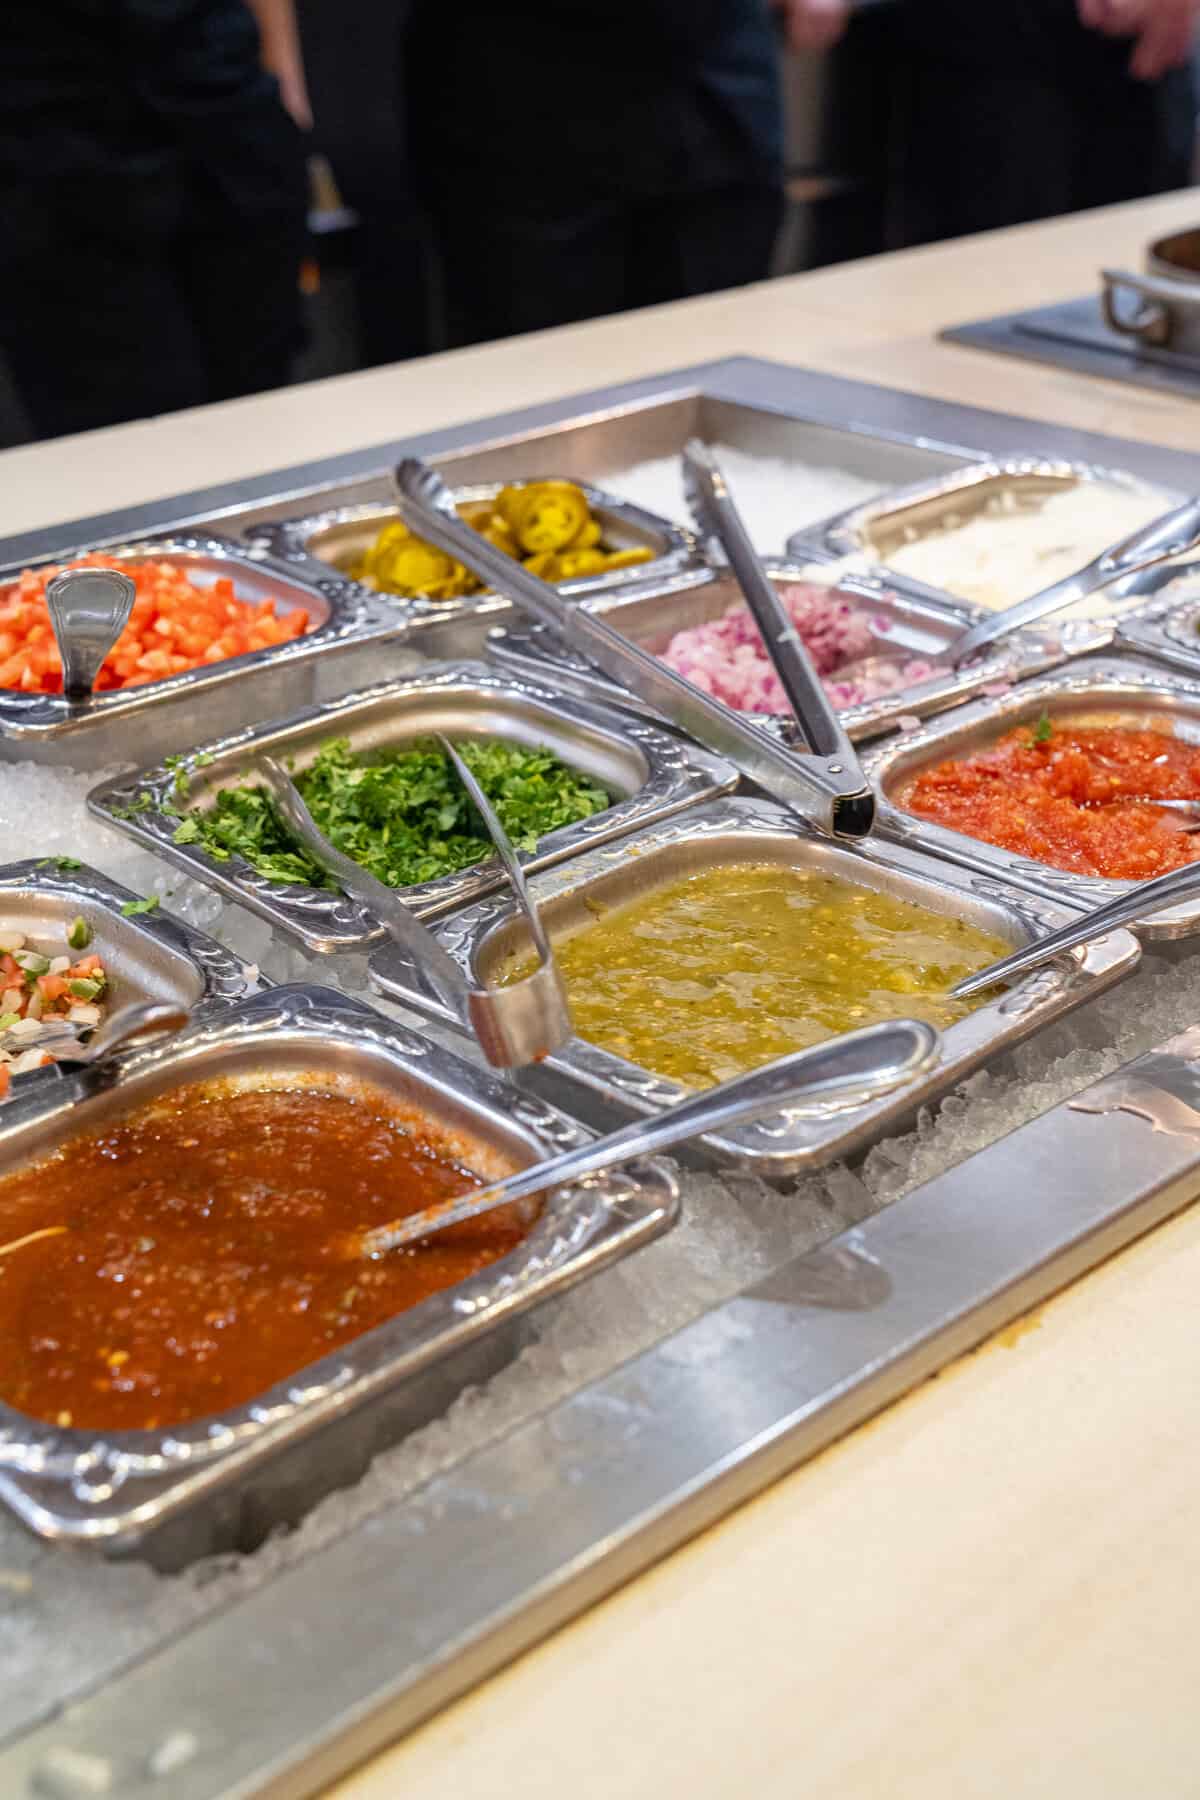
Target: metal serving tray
160 716
1169 629
1111 690
334 538
147 956
871 531
909 625
651 772
739 831
226 1480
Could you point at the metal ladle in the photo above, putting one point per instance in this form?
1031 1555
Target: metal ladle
89 609
514 1026
850 1069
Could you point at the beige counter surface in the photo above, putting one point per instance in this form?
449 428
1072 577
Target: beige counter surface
990 1589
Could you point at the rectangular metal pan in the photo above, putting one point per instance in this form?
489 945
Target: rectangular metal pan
1111 690
160 716
869 532
225 1481
735 831
148 956
330 541
906 624
651 773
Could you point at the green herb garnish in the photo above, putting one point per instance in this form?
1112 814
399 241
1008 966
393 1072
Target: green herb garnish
401 814
132 908
59 862
1043 731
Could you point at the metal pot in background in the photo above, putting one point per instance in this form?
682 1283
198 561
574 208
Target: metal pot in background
1166 310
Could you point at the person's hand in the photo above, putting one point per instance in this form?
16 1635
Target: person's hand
1164 30
815 24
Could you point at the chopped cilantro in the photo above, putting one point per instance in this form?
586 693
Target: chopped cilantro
60 862
400 813
132 908
1043 730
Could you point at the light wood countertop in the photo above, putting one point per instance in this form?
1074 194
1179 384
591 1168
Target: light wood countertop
989 1590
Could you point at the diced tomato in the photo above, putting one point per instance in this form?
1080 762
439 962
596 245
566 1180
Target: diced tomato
174 625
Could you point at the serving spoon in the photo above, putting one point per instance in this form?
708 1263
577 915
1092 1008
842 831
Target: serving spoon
89 609
1145 898
142 1019
851 1069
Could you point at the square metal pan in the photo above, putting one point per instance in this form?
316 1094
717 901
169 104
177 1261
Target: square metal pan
327 542
160 716
1111 689
908 624
225 1480
652 773
735 831
864 531
149 956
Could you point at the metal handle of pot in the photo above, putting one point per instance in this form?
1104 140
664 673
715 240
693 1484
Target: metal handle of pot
1158 293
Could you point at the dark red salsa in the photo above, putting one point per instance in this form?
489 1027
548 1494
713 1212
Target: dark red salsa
202 1258
1072 796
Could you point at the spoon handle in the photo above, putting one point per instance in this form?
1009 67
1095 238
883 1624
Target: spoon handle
89 609
854 1068
1147 897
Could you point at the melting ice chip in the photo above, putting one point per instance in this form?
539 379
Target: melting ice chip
1162 1088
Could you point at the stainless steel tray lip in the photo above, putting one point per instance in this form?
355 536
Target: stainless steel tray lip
350 619
108 1488
678 774
1167 627
675 545
801 1138
1112 678
1021 655
226 977
846 533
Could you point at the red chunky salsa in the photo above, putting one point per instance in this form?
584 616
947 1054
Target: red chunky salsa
1076 797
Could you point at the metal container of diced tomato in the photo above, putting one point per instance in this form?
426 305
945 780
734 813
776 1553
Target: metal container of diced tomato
153 717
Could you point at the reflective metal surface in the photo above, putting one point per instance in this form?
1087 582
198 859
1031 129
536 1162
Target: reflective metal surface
89 609
157 716
318 1428
483 937
1108 690
650 773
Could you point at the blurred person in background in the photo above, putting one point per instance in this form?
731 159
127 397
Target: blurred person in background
152 168
576 159
1032 109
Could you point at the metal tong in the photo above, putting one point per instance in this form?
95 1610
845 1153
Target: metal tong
1170 535
1146 898
514 1025
533 1011
716 513
821 790
89 609
847 1070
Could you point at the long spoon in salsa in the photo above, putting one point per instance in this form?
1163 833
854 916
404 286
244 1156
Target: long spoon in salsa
846 1071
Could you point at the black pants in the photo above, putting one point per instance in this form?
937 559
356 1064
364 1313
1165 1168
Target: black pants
135 285
505 272
1018 113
